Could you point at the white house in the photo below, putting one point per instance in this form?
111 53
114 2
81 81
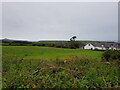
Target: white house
101 46
89 46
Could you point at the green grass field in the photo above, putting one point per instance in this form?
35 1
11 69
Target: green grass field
49 67
30 52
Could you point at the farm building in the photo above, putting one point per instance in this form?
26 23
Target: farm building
102 46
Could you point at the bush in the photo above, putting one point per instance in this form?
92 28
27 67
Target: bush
111 55
73 44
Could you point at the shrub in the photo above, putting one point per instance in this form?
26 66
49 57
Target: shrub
111 55
73 44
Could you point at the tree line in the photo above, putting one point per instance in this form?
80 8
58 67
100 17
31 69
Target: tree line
58 44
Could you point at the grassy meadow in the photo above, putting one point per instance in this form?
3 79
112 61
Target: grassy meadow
49 67
31 52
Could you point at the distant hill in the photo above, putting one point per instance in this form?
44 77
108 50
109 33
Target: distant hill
5 39
11 40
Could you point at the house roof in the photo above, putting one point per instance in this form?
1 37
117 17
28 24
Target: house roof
106 45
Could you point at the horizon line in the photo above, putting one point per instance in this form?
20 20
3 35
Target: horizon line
59 40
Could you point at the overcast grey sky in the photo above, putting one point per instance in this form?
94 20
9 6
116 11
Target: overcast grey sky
60 21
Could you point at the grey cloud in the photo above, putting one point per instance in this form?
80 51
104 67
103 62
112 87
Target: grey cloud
37 21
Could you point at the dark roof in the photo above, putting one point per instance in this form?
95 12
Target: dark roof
106 44
118 45
96 44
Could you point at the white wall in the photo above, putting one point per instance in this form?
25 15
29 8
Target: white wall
89 46
113 48
100 48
